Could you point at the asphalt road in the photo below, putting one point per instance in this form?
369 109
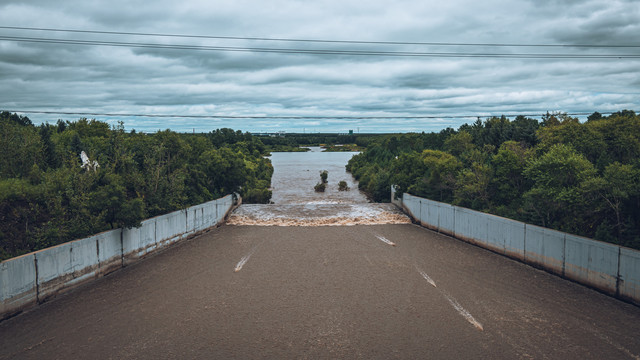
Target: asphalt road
368 292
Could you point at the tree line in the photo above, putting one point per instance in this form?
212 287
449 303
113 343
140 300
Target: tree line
578 177
48 197
293 141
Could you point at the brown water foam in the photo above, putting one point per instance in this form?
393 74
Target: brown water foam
317 215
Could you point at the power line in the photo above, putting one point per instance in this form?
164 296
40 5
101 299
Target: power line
317 40
318 51
257 117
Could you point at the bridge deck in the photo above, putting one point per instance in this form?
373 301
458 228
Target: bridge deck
378 291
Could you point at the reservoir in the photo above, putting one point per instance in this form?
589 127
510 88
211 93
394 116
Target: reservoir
296 203
296 173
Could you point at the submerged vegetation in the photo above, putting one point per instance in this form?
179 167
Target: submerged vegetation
582 178
47 197
324 174
322 185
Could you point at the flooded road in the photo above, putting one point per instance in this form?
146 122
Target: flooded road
296 203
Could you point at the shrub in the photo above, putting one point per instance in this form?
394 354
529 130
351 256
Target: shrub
323 175
342 186
320 187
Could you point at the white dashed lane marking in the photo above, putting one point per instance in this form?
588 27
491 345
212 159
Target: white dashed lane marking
426 277
385 240
456 305
462 311
243 261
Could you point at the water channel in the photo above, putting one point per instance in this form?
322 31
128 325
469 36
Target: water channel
296 203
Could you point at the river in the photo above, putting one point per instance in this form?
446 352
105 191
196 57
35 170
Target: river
296 173
296 203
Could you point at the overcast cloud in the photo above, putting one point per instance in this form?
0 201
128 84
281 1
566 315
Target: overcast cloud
104 79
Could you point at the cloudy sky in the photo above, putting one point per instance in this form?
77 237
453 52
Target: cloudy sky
395 74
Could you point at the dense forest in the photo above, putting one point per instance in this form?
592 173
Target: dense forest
581 178
293 141
48 195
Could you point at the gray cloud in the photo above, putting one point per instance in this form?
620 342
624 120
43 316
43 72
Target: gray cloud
58 77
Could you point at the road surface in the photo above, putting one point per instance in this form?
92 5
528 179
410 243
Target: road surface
343 292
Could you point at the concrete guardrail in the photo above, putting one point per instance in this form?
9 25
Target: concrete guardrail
609 268
30 279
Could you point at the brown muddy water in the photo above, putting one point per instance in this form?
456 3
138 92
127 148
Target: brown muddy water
296 203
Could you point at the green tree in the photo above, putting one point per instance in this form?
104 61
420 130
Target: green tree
616 187
439 179
323 175
20 146
557 195
472 186
508 183
460 143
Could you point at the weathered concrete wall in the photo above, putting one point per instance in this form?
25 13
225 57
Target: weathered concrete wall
609 268
18 287
544 248
137 242
507 235
65 265
30 279
109 245
592 262
629 274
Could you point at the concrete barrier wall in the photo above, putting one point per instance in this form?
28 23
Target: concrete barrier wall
612 269
171 227
506 236
109 245
137 242
544 248
65 265
593 262
412 206
629 275
18 287
31 279
446 219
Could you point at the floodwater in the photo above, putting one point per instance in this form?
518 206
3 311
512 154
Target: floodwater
295 175
296 203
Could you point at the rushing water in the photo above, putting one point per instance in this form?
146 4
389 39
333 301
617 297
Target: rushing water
296 203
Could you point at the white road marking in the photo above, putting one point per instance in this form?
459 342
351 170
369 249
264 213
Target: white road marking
456 305
243 261
385 240
462 311
426 277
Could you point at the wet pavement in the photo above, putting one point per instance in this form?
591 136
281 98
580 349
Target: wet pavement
326 292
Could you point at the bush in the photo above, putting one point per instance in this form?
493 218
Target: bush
342 186
257 196
323 176
320 187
